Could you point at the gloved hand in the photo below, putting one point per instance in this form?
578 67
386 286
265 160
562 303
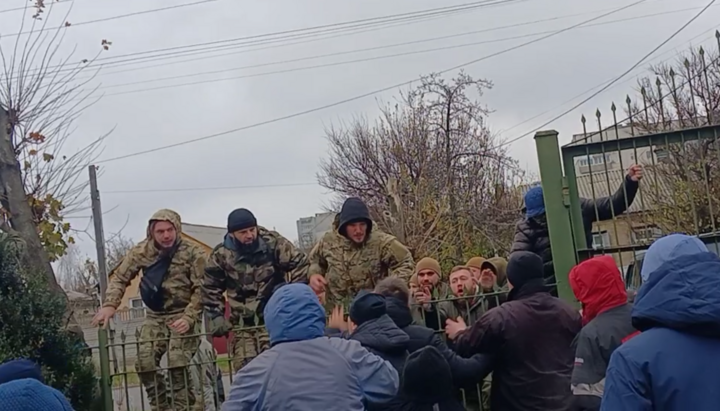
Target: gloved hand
220 326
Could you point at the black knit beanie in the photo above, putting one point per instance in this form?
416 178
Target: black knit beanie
240 219
367 306
523 267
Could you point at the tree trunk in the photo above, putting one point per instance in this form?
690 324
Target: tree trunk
20 215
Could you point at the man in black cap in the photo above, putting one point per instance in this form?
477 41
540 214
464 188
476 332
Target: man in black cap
356 255
249 264
530 337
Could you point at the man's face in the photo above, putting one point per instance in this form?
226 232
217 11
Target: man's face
460 281
246 236
487 279
428 278
356 231
475 273
164 234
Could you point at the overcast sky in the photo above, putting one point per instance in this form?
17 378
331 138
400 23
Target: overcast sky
541 77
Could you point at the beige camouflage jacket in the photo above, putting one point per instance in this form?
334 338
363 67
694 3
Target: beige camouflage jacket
250 277
181 286
349 268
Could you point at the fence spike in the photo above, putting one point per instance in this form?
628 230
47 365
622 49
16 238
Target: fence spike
123 336
686 63
643 91
717 34
701 51
137 333
627 99
582 118
612 107
658 82
597 113
672 72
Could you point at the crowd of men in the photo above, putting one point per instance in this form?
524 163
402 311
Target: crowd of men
488 334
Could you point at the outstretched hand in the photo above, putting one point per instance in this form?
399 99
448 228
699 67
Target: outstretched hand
635 172
453 328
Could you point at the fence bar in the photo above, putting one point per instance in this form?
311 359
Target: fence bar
558 215
105 377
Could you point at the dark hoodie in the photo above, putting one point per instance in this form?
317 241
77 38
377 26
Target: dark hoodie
376 331
673 365
465 371
354 210
426 383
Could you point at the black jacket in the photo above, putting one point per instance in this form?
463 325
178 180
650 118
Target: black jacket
531 234
530 337
426 383
465 372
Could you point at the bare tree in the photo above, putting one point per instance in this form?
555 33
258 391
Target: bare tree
430 170
685 181
41 99
78 272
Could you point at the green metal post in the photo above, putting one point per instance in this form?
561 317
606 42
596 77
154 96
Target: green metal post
558 215
105 378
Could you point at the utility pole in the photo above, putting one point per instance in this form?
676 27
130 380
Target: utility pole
99 234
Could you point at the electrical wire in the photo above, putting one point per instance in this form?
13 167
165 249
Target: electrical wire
333 64
377 91
243 187
574 98
121 16
618 78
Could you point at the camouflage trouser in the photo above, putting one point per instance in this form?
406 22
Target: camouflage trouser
248 343
157 339
486 386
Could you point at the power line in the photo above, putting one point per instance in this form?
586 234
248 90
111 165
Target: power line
274 37
243 187
357 97
121 16
608 85
574 98
332 64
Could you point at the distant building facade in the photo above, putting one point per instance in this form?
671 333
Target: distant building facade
311 229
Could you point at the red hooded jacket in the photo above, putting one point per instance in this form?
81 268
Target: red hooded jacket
598 285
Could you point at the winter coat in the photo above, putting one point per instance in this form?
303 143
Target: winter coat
349 267
29 394
530 337
465 371
427 384
673 365
531 234
383 338
598 285
304 370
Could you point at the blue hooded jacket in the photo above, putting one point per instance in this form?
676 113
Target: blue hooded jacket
304 370
29 394
673 365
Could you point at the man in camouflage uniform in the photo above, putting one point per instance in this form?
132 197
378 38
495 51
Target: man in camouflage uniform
356 256
249 264
170 288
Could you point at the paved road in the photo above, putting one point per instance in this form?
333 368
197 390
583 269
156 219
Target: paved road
137 397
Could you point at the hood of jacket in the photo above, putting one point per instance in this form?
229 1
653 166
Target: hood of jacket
381 335
294 313
20 369
398 311
682 293
30 394
354 210
427 377
499 265
150 251
598 285
668 248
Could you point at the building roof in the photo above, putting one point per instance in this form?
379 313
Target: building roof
208 235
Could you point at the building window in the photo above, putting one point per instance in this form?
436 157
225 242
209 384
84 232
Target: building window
600 239
645 234
137 308
594 160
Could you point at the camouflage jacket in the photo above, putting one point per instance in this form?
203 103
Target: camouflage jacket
349 267
249 277
181 285
471 309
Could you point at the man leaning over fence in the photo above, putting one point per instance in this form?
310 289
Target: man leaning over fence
248 265
170 288
532 234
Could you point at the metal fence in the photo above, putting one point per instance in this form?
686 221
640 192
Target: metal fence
671 129
210 375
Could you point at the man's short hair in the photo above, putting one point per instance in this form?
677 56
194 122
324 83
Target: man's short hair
393 287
